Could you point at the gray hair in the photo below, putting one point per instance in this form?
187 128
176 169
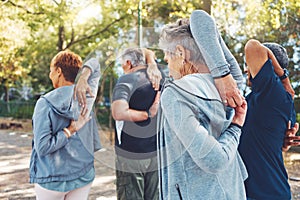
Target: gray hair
179 33
279 52
135 55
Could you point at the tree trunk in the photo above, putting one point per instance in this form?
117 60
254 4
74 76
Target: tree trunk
207 6
6 88
110 114
100 93
61 37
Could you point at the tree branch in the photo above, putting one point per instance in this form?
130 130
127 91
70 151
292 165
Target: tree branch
55 2
72 42
22 7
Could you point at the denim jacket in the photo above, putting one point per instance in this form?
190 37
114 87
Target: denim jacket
54 156
198 157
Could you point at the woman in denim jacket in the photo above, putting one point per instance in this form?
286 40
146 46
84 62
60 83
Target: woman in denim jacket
198 135
62 161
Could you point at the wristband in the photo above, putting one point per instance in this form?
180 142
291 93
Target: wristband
222 76
68 132
234 124
285 74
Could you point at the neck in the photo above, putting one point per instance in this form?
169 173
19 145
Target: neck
202 69
65 83
136 68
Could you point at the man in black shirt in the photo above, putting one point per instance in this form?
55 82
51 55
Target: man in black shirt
134 107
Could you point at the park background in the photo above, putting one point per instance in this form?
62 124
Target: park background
33 31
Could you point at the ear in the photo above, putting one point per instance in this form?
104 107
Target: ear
180 51
59 71
128 64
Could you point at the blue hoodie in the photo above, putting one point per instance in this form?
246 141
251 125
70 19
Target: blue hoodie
198 157
54 156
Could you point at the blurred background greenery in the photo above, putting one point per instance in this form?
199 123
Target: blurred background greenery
33 31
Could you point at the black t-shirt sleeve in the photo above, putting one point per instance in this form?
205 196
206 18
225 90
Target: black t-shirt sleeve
121 91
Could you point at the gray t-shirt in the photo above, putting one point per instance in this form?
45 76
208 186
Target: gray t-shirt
138 139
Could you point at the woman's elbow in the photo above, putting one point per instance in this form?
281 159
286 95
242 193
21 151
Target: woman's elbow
41 150
216 166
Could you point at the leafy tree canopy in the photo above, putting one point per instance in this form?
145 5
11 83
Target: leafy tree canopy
33 31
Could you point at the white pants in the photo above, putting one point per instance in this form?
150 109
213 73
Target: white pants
77 194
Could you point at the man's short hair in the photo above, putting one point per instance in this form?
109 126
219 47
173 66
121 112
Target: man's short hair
135 55
279 52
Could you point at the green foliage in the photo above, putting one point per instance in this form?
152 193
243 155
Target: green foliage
33 31
103 115
17 109
266 21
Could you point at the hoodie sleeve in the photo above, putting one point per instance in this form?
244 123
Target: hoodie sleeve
45 141
215 52
210 154
93 81
93 65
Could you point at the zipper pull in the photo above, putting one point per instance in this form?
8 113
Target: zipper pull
178 190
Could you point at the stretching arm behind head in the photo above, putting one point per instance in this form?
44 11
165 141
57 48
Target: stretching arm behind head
152 69
222 64
257 54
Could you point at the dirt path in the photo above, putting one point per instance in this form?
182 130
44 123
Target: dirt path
15 148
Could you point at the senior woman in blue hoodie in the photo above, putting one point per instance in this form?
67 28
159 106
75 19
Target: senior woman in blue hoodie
198 135
65 136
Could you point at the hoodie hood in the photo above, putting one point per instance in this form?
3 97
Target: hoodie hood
191 83
205 97
62 102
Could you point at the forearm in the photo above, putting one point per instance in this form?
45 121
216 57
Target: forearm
91 73
277 68
122 112
204 31
48 144
93 64
216 154
45 140
149 55
87 83
153 72
234 67
131 115
207 152
281 73
85 73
